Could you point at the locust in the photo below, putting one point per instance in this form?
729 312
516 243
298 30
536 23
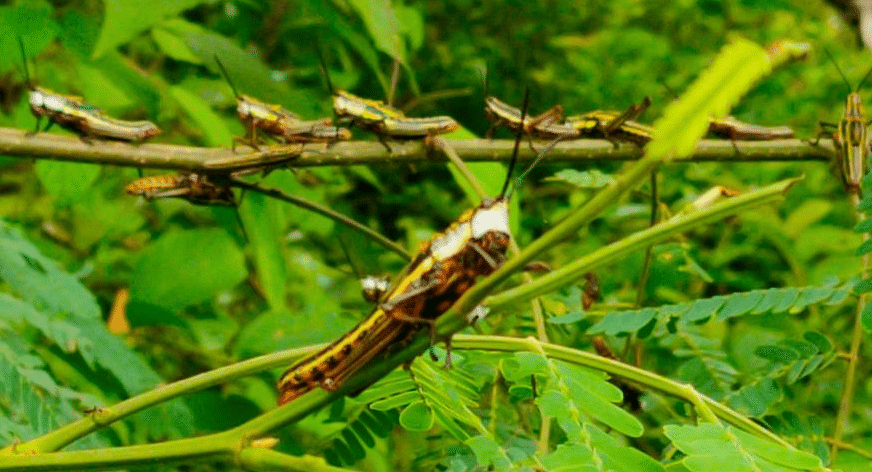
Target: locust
614 126
850 136
194 187
74 114
444 268
277 122
381 119
734 129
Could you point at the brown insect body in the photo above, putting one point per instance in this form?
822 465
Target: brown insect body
194 187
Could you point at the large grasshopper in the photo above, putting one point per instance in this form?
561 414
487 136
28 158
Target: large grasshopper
445 268
76 115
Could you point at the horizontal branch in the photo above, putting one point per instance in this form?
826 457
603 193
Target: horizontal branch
15 143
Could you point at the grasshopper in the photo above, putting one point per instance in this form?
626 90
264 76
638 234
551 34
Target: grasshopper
734 129
445 267
194 187
74 114
850 135
382 119
614 126
277 122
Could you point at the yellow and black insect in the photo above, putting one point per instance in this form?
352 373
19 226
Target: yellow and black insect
445 268
850 135
614 126
279 123
74 114
382 119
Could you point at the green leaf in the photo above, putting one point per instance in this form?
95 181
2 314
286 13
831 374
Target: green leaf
214 128
174 46
623 323
570 458
863 286
618 456
755 399
778 354
866 316
31 21
39 281
182 268
823 343
488 452
864 248
703 309
262 218
737 66
66 181
383 26
417 417
739 304
124 19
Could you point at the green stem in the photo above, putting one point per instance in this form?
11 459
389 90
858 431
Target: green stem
846 402
67 434
652 235
706 407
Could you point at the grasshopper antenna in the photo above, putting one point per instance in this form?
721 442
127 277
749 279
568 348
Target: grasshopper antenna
324 69
226 76
518 137
24 60
850 89
864 79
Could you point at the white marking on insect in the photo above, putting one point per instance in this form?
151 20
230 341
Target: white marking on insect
493 218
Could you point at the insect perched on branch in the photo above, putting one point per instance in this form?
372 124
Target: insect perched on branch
614 126
277 122
74 114
444 269
850 135
381 119
194 187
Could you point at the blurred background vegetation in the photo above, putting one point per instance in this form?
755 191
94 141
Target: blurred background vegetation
203 294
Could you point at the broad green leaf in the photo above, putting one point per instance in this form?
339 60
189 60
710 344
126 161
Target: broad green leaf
39 281
174 46
182 268
412 22
383 26
31 21
736 68
262 219
67 181
214 128
417 417
273 331
124 19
